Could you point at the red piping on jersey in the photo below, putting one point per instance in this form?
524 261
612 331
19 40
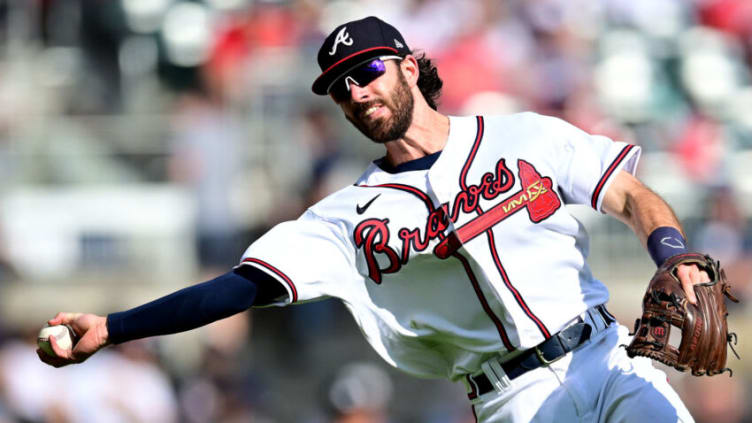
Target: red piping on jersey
615 164
483 302
277 272
465 264
491 242
471 156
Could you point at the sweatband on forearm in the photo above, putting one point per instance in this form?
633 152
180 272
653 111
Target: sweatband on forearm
185 309
665 242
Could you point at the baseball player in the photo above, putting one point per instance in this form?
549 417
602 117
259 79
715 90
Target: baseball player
453 252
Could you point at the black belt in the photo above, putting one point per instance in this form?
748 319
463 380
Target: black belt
544 353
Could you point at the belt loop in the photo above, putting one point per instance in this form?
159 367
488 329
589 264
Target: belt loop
600 317
596 321
496 375
608 317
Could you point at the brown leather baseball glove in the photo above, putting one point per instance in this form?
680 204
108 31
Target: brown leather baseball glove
703 329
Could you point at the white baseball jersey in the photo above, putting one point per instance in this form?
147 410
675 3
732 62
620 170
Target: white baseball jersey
520 276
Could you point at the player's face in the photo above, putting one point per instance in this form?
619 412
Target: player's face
382 109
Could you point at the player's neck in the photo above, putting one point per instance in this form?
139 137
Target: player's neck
428 133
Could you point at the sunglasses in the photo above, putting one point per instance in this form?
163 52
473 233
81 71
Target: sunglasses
361 75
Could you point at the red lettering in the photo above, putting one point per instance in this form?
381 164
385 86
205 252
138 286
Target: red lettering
436 223
411 239
486 186
491 186
536 195
461 202
435 226
373 235
503 174
659 332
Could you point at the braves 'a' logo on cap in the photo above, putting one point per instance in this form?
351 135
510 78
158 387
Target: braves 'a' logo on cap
342 37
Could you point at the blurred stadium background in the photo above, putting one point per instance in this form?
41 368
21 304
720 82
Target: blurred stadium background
145 143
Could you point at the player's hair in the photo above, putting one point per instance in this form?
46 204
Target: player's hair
429 81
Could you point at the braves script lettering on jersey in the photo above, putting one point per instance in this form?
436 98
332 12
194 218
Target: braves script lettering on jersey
455 268
503 181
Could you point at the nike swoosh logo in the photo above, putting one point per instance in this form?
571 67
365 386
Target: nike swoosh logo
672 242
362 210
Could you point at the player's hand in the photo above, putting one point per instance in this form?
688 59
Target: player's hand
92 336
689 275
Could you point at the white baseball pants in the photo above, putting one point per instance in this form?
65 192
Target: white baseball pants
597 382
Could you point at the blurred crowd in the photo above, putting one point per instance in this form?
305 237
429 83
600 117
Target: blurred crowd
145 143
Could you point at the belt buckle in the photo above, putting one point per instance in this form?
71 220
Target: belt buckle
539 354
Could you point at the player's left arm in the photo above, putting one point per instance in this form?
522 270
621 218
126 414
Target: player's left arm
650 217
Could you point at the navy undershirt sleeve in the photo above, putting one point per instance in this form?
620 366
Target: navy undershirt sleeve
194 306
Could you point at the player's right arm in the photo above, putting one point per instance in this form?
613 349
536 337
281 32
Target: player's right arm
186 309
284 266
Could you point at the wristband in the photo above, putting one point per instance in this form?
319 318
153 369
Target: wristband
666 242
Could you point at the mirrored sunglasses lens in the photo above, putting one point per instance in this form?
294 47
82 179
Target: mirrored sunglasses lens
361 76
368 72
374 66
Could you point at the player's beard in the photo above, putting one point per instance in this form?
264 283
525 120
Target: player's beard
383 130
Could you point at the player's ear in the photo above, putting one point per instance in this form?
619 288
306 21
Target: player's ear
410 69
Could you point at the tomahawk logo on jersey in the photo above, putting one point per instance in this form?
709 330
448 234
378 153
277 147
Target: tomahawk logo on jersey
435 252
535 196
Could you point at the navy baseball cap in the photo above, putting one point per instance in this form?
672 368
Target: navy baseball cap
353 43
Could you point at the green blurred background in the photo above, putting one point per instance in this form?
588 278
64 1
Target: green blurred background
145 143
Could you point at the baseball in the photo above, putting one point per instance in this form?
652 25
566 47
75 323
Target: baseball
63 335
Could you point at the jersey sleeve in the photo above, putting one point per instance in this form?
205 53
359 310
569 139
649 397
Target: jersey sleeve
588 163
309 256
